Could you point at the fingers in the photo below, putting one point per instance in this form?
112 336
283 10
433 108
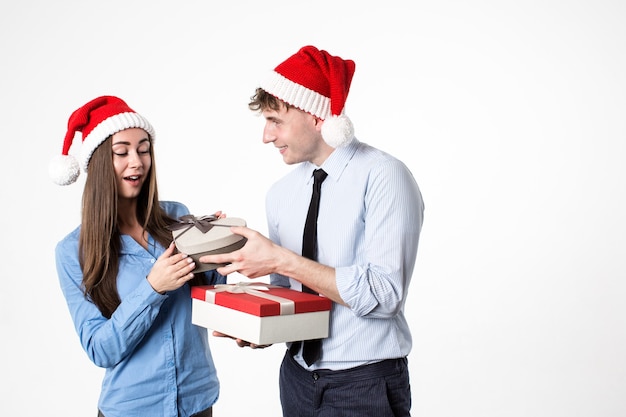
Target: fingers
218 334
226 270
240 342
223 258
243 231
185 266
169 251
175 258
243 343
253 346
171 270
229 258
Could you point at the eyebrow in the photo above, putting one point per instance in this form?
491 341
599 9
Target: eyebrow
128 143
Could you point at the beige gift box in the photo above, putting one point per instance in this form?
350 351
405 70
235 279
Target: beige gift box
206 235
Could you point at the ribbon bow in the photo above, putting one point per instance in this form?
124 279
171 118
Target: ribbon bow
203 223
242 287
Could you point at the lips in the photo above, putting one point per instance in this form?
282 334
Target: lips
133 179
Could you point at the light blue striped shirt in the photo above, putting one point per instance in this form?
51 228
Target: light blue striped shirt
370 218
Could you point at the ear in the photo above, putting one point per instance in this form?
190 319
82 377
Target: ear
318 123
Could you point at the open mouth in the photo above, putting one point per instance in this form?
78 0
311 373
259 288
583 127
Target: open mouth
133 178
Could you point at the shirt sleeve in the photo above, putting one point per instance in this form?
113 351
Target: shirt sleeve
106 341
375 285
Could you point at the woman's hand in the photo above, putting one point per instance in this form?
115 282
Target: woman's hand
171 271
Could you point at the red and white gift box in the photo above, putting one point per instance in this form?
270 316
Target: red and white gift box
260 313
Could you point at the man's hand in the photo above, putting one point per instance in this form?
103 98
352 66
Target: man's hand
257 258
240 342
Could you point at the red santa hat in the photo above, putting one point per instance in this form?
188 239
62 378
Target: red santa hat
318 83
96 121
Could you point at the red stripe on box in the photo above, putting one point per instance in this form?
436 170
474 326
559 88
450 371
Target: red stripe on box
248 304
305 302
258 306
199 291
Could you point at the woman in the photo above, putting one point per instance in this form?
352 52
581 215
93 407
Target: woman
127 288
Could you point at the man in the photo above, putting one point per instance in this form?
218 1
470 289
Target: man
368 227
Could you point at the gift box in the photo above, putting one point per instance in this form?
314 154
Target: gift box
260 313
206 235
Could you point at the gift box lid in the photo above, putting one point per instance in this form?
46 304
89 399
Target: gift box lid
205 234
261 299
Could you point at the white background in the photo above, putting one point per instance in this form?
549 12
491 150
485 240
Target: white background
510 114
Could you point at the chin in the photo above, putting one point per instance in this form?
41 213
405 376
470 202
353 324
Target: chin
290 161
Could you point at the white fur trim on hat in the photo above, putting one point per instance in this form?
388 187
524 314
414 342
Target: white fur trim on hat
297 95
109 127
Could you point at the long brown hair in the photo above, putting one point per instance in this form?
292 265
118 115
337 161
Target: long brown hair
100 241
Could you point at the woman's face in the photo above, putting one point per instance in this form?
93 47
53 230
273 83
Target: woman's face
131 160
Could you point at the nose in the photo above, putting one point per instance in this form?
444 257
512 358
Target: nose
268 136
134 160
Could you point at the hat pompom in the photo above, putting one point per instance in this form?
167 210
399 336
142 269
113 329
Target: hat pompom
337 130
64 169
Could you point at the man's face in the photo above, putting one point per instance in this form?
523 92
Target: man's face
296 134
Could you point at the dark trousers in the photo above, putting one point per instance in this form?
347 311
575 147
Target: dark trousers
378 390
206 413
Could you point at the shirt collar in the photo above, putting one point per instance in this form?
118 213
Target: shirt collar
336 163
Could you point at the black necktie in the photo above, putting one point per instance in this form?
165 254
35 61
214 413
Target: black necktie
309 237
311 349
